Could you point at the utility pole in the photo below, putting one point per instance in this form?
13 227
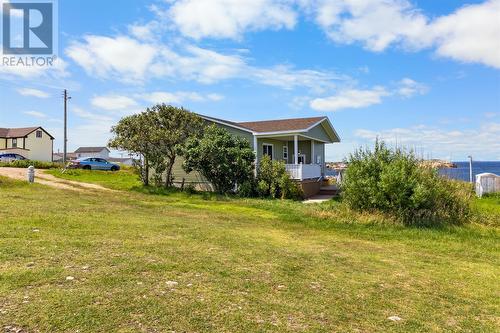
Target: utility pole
65 151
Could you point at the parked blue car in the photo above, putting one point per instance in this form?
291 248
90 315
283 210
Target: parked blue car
11 157
93 163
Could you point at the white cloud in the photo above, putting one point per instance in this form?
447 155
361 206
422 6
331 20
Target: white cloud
100 56
121 57
350 99
470 34
178 97
357 98
33 92
215 97
409 88
375 23
113 102
35 114
287 77
81 113
482 142
230 18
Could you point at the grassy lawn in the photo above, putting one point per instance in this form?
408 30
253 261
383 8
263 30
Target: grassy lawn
121 180
151 263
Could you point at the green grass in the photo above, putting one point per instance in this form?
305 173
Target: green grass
119 180
240 266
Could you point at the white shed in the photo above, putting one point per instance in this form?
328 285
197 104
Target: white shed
487 183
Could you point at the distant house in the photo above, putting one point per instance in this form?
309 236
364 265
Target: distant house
122 160
299 143
58 157
101 152
34 143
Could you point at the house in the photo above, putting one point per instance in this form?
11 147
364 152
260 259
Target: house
101 152
299 142
34 143
58 157
122 160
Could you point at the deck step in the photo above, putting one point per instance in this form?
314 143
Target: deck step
329 190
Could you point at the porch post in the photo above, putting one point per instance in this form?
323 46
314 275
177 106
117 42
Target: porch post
295 149
256 152
312 152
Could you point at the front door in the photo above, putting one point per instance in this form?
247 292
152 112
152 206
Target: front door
268 150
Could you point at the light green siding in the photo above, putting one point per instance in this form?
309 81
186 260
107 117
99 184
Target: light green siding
277 148
319 133
237 132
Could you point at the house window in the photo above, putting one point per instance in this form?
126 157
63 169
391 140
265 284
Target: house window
14 143
302 159
285 153
268 150
38 134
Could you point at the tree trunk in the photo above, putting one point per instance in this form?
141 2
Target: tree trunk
168 178
146 172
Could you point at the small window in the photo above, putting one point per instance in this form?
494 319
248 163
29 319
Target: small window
285 152
14 143
268 150
38 134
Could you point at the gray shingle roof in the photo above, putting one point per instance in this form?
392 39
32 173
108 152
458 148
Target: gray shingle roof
90 149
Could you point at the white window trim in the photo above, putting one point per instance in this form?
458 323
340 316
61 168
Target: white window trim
268 144
285 148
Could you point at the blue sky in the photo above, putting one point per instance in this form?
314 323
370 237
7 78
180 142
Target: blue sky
424 74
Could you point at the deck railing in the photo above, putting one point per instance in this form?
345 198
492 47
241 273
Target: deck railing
304 171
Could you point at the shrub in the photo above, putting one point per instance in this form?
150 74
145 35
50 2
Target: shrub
248 189
223 159
393 182
273 181
27 163
190 189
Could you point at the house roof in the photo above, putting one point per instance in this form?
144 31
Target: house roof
90 149
295 124
20 132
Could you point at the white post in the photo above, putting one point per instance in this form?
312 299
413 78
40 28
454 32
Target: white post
295 149
312 152
470 169
255 150
31 174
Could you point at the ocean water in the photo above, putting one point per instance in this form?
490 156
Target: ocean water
461 172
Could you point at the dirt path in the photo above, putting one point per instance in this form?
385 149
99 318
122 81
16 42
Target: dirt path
46 179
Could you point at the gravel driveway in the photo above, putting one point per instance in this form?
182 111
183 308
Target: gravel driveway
43 178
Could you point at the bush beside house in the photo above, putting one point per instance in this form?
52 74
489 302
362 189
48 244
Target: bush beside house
223 159
394 182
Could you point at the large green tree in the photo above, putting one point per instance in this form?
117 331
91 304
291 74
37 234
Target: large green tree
158 134
133 135
223 159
